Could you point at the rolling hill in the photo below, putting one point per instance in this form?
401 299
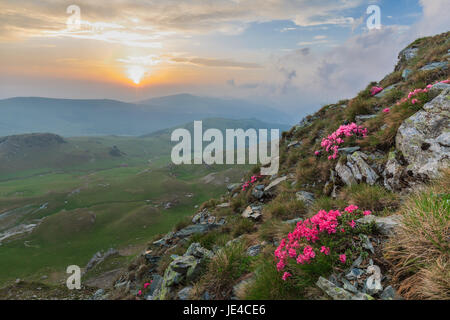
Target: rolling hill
69 117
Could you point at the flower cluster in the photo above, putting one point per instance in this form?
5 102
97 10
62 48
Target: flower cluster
375 90
146 285
412 96
252 180
332 142
299 244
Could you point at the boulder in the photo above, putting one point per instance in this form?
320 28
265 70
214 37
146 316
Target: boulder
424 138
386 225
258 194
356 170
435 65
196 228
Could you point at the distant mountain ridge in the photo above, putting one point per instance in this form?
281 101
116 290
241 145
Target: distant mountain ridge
84 117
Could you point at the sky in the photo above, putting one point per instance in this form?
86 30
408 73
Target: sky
295 55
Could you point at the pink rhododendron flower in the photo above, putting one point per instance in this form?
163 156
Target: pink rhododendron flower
375 90
325 250
342 258
367 213
139 292
351 208
414 101
286 275
386 110
146 285
332 142
352 224
317 153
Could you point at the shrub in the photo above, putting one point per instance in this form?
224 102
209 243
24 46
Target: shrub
320 243
420 252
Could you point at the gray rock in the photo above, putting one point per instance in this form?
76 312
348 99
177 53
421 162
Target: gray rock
388 293
386 91
241 286
197 251
258 194
233 186
349 150
392 173
406 73
196 228
373 282
439 87
435 65
294 144
345 174
424 138
307 197
349 287
366 243
293 221
354 274
253 251
224 205
409 53
252 213
386 225
98 295
332 290
156 284
185 293
356 170
274 183
363 118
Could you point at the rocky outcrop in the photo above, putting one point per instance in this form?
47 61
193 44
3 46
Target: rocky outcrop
356 170
182 269
386 225
424 138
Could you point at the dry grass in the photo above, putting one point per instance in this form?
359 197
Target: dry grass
374 198
420 251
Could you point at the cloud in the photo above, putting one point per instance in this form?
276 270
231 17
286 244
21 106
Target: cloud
210 62
190 16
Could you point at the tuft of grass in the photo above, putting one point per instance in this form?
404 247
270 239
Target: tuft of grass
227 266
420 250
367 197
284 206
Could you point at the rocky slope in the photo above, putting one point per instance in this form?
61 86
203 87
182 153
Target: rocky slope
359 168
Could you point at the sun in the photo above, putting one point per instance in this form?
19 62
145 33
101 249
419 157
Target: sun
136 73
